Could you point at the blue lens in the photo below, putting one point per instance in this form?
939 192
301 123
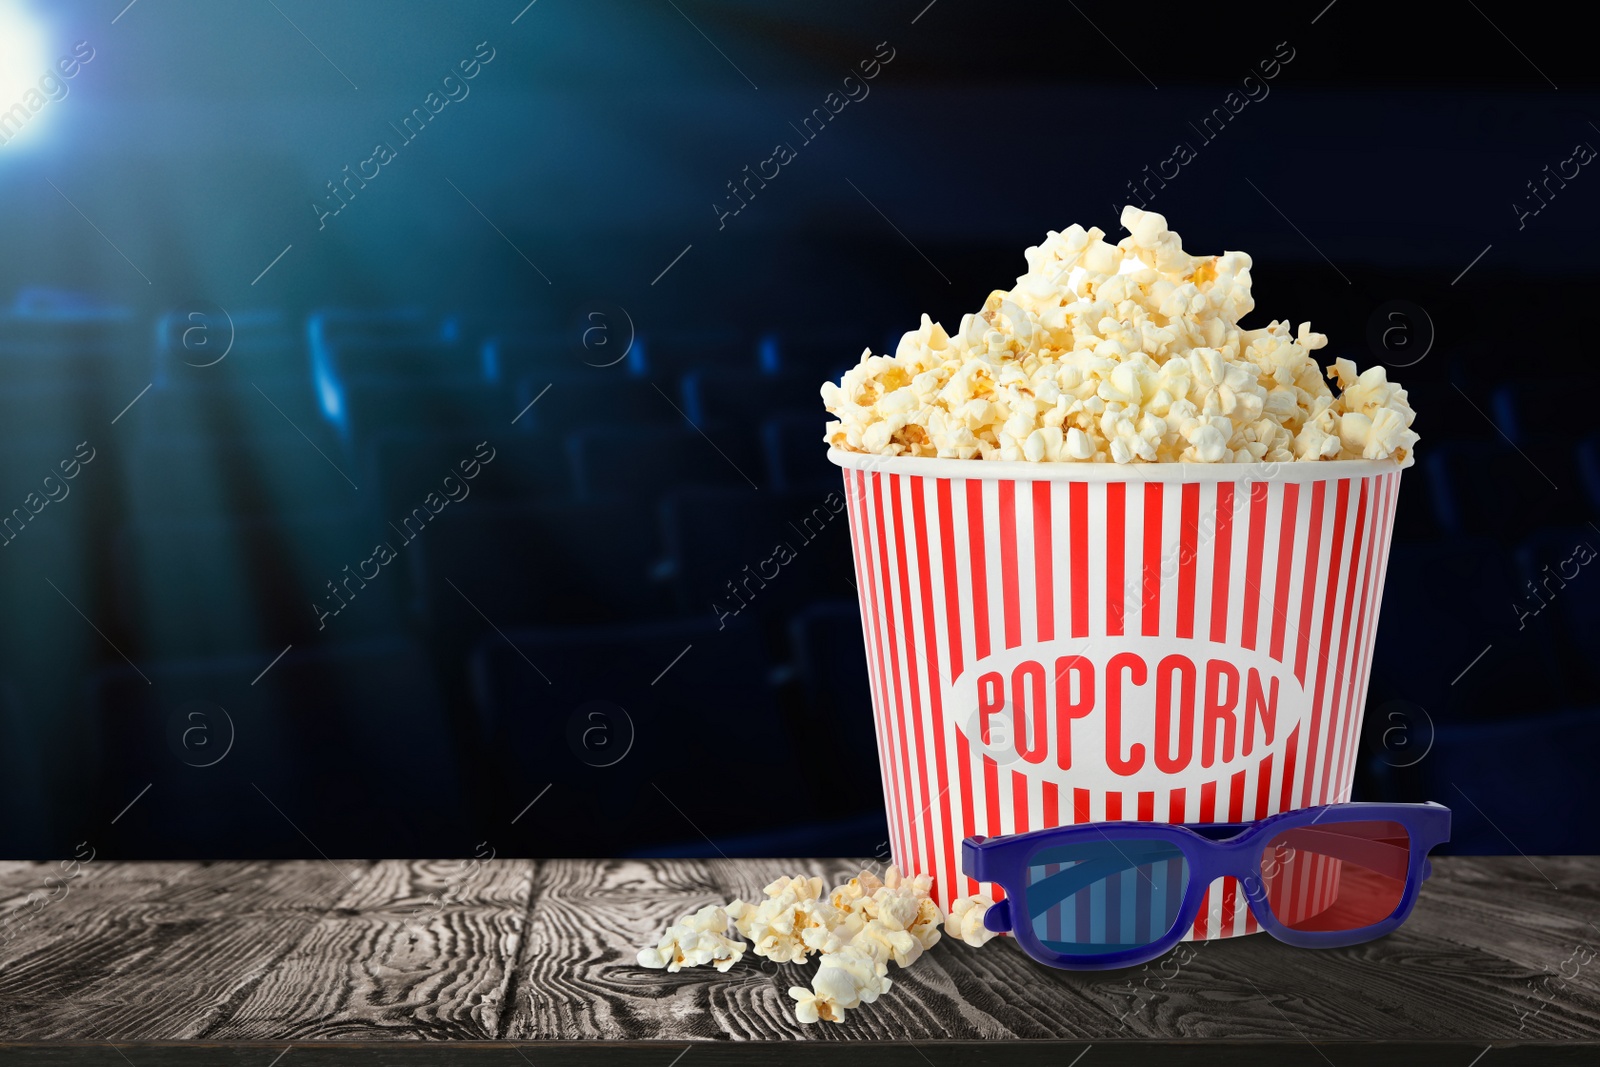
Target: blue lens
1094 898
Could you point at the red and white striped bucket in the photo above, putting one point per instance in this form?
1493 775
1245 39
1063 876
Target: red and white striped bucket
1060 643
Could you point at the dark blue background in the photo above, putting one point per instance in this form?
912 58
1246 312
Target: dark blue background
583 175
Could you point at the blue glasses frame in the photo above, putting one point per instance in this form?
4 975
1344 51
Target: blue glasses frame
1212 851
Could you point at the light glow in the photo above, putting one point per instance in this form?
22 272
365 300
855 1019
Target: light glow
30 83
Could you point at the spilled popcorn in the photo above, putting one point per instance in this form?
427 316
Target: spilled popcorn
966 920
695 939
1123 353
856 930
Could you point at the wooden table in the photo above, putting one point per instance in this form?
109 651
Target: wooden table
532 962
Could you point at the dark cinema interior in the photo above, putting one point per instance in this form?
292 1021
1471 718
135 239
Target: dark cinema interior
409 417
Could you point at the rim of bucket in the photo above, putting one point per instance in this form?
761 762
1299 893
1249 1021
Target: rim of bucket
1004 470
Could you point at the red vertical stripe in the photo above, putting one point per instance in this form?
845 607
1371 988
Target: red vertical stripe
1280 595
1230 886
863 586
952 614
1319 880
1304 872
1078 524
1019 802
980 637
1261 791
1294 902
1188 556
1051 803
1147 806
869 589
1378 547
1221 584
1080 805
991 795
1044 617
1274 890
1264 787
1337 727
1308 582
907 830
1291 752
1365 625
1202 919
1116 549
943 872
1150 610
1305 888
980 578
1012 600
952 591
926 861
1315 740
1176 806
1278 897
1310 876
1044 583
1113 807
1011 611
1252 570
1208 813
1330 881
1223 562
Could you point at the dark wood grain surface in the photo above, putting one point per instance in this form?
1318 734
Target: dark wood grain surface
533 961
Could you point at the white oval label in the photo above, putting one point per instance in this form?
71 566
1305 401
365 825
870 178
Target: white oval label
1127 713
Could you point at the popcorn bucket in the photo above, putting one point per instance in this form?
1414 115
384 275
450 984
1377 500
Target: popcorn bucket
1052 644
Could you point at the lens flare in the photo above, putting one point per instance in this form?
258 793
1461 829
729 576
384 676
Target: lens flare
29 80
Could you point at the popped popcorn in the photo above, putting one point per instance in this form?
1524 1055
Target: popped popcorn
857 929
845 979
695 940
907 905
787 926
1125 353
966 920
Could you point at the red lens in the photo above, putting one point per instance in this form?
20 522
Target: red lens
1336 875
